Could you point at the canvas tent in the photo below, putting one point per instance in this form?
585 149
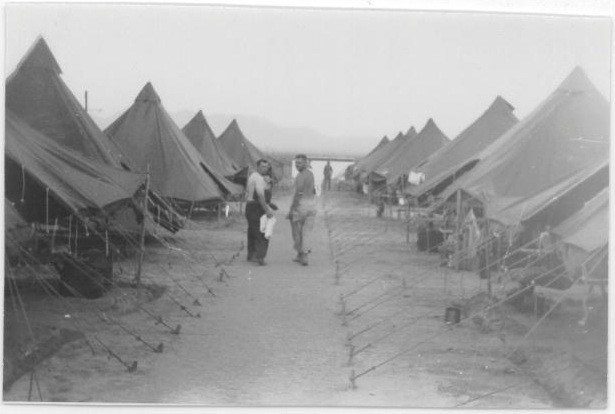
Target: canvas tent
411 153
585 234
202 137
553 205
37 94
12 218
46 181
382 143
16 231
444 166
565 135
243 152
149 136
370 163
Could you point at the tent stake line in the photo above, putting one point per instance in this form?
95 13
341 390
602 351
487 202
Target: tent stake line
384 294
157 349
372 326
130 367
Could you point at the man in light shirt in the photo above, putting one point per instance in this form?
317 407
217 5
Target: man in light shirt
302 209
258 197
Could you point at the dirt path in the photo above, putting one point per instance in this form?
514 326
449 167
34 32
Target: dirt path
273 335
271 338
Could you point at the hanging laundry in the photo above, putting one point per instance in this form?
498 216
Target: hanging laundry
416 178
471 224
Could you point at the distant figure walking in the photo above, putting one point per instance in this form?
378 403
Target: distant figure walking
302 209
258 195
328 172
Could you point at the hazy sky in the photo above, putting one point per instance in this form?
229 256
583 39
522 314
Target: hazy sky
364 73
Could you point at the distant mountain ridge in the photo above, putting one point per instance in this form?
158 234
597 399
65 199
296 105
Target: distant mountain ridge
271 137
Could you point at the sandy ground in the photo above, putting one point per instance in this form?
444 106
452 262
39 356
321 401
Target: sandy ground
275 335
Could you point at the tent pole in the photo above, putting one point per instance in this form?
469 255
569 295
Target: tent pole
487 252
457 228
142 238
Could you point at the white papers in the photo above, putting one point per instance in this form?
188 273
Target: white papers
267 225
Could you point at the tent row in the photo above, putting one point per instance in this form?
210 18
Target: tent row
509 179
412 156
59 162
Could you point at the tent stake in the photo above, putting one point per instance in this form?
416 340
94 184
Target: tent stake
353 378
351 354
343 305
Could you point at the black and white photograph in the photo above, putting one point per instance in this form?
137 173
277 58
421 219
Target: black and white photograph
347 205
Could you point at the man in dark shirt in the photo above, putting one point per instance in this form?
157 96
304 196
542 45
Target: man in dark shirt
258 196
302 209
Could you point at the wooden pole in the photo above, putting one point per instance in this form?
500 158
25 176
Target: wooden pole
457 229
142 238
86 101
487 252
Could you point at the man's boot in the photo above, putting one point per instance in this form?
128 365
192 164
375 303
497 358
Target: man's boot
303 259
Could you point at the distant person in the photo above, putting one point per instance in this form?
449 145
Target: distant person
302 209
258 195
328 172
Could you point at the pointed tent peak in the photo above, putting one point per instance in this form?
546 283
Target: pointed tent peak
39 56
198 117
148 94
431 129
199 123
411 132
429 125
399 136
234 125
383 141
576 81
232 130
500 103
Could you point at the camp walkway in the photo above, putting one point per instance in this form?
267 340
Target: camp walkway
271 337
274 335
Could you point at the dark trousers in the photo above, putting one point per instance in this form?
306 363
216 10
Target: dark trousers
327 184
257 243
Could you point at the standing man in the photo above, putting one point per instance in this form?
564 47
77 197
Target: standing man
302 209
328 172
258 197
